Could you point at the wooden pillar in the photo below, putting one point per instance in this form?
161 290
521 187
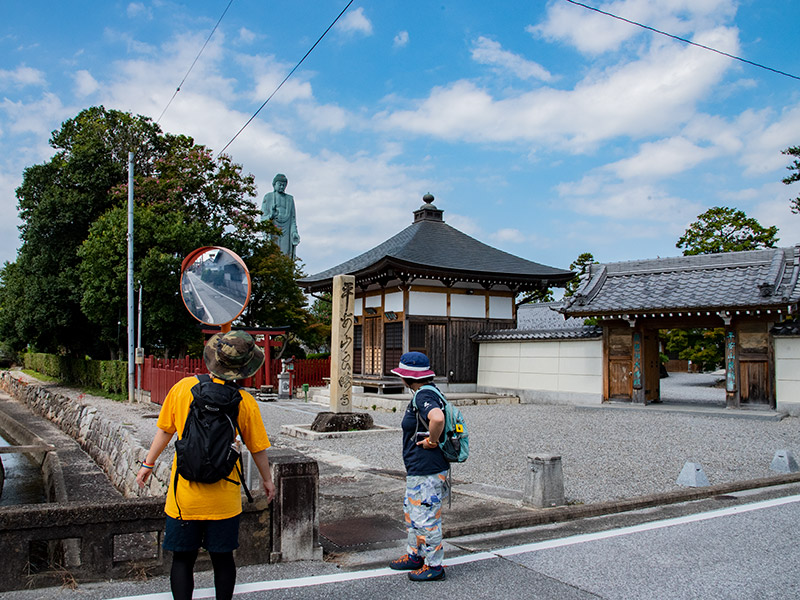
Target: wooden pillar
731 367
342 343
638 372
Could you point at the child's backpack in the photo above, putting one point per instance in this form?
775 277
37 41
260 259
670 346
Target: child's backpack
209 449
455 445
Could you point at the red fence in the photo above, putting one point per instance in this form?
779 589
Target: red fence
159 375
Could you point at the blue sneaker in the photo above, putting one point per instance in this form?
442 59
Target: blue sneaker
427 573
409 562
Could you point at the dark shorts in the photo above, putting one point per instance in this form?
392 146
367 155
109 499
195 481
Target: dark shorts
214 536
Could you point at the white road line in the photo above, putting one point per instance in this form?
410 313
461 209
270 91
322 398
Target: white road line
277 584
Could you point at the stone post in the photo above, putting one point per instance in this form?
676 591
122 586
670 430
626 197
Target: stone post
544 486
342 343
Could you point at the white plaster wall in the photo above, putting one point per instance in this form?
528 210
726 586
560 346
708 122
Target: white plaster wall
787 374
501 307
393 302
556 371
427 303
358 307
372 301
462 305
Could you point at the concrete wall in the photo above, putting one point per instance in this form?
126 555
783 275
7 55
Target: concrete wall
787 374
547 371
287 529
112 445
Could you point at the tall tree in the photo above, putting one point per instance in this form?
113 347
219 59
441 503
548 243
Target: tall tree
58 201
581 265
795 166
67 290
723 229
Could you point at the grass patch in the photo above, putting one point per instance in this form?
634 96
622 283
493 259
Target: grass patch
39 376
117 397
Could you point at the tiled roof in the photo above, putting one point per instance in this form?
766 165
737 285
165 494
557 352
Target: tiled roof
741 280
430 247
787 328
544 315
562 333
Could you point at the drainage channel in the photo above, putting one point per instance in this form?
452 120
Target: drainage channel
23 481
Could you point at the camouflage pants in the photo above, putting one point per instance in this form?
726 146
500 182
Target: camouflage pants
423 513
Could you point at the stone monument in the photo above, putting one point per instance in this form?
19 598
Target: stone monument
278 207
341 416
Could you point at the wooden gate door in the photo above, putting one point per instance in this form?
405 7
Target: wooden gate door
652 366
372 346
755 364
619 352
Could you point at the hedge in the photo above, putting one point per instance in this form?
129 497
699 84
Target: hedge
109 375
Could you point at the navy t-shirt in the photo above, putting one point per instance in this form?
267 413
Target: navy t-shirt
418 460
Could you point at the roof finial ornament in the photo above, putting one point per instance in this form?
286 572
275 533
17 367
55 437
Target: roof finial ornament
428 198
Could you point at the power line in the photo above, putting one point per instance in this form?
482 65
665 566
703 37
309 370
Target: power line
180 85
680 39
285 79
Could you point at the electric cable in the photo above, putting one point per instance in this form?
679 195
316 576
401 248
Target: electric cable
680 39
180 85
285 79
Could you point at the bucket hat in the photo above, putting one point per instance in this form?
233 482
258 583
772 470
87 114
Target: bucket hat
414 365
232 355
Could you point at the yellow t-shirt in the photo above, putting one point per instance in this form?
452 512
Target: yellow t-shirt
208 501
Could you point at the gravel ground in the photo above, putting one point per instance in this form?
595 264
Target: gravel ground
606 455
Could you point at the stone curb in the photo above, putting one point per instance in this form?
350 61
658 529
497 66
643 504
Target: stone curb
532 517
304 432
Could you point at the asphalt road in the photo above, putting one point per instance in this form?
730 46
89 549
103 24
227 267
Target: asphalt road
738 551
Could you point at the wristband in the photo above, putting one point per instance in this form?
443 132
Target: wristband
146 466
431 442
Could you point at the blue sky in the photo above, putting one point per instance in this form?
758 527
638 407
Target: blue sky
541 128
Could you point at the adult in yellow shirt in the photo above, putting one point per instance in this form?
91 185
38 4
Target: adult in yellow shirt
207 514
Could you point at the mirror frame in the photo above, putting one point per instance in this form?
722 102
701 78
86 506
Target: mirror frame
192 257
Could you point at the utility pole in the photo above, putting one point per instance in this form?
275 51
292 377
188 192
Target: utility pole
139 349
131 339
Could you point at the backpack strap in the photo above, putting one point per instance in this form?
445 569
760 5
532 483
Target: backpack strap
416 408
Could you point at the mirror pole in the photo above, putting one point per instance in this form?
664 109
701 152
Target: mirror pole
225 327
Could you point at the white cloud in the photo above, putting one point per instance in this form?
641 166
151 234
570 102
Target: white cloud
246 36
489 52
355 21
401 39
9 234
594 33
324 117
85 84
268 74
35 117
20 77
508 235
138 9
656 160
593 196
649 96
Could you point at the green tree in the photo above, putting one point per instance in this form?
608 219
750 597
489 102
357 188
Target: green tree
704 347
58 201
66 292
581 265
795 176
723 229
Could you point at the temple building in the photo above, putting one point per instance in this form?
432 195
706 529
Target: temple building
753 296
430 288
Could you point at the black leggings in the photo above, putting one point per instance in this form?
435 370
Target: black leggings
181 577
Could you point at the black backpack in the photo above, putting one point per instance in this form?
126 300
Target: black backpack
208 451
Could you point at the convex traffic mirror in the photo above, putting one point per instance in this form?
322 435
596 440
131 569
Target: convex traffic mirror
215 285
